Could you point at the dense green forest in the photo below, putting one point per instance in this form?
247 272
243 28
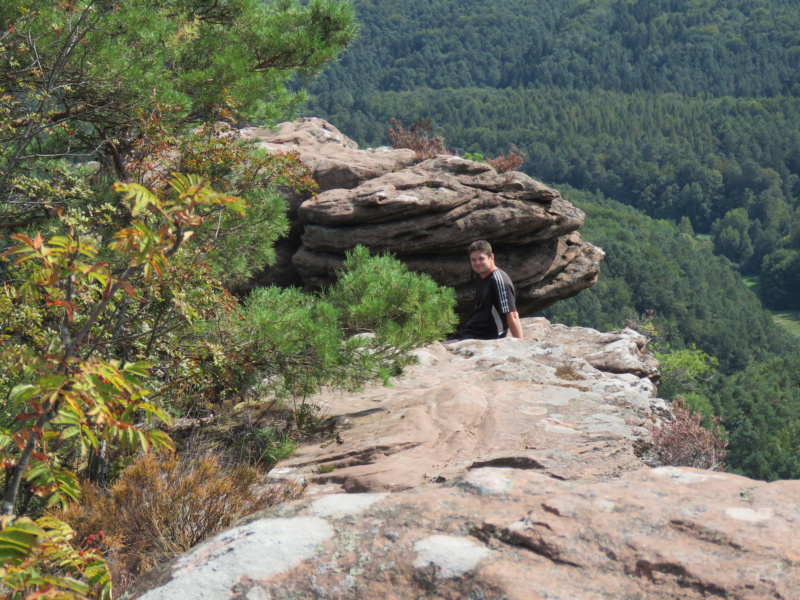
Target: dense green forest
684 111
698 302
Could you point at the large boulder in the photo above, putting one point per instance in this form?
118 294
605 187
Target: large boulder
334 162
503 470
426 214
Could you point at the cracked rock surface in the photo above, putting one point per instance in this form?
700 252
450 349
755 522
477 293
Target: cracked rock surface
568 402
515 534
503 470
426 214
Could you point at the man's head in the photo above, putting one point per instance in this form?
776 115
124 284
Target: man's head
481 258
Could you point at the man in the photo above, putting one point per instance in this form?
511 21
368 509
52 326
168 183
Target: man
495 311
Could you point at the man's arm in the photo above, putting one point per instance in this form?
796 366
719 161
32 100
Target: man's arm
514 324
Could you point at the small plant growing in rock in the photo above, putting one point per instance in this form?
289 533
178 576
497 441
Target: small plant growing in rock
684 442
510 161
418 138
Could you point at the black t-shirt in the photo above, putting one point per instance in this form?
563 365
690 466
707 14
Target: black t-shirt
495 297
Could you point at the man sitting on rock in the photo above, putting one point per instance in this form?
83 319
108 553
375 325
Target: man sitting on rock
495 311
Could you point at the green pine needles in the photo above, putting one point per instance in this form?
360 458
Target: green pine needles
365 326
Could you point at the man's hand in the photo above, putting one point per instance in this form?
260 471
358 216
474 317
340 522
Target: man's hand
514 325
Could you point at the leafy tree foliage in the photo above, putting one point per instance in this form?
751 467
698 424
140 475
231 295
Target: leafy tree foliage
760 408
363 327
692 47
696 298
77 76
67 393
115 309
780 279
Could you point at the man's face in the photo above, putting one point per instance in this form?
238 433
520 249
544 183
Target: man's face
483 265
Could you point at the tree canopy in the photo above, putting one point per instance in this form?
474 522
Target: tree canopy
680 108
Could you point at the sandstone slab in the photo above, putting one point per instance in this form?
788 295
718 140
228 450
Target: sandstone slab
516 534
565 403
503 470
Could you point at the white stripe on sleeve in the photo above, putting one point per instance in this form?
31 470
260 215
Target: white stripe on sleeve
501 292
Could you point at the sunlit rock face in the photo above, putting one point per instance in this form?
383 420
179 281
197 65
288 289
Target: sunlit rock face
503 469
426 214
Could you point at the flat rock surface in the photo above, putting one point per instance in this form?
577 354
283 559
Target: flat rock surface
503 470
567 402
514 534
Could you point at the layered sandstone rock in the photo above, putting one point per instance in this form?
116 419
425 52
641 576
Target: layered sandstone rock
504 469
568 402
427 214
514 534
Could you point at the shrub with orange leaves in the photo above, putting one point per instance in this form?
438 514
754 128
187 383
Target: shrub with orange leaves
417 138
511 161
162 506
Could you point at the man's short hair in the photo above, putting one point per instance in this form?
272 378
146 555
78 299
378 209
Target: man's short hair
481 246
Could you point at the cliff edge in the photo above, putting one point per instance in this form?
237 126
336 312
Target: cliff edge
503 469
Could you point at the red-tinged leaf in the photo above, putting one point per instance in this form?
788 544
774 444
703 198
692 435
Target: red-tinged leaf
96 267
40 456
127 288
38 241
69 307
107 290
21 237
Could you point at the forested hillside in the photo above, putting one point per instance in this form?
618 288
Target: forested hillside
682 108
667 284
693 47
686 110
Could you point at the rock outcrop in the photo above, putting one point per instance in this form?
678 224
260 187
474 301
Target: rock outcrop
567 402
427 214
503 469
505 533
